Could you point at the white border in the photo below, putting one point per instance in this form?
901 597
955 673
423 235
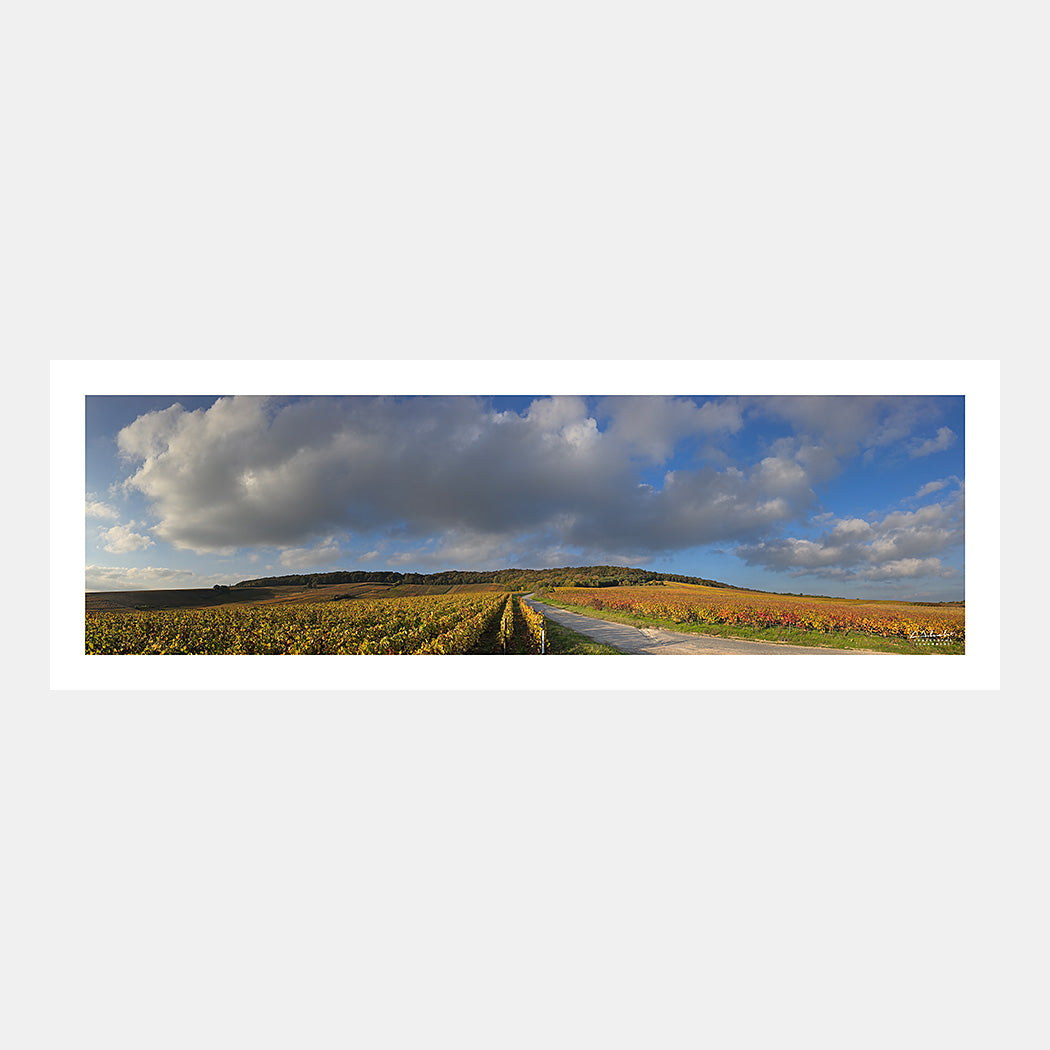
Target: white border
978 381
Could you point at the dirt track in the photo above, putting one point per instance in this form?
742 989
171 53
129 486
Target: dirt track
657 641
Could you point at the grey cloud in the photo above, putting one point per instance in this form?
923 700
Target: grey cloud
245 472
461 546
849 423
653 425
480 485
696 507
325 553
901 544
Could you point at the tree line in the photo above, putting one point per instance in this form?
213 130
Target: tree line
512 579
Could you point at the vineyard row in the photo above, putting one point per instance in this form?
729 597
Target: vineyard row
427 625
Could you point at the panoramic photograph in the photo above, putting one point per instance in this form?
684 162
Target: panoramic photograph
701 524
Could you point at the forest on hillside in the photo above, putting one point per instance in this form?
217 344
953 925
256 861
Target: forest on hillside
512 579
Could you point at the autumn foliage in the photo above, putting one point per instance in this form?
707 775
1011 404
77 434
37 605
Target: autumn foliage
438 624
452 624
714 606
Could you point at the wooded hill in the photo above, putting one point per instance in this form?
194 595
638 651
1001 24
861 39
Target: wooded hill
511 579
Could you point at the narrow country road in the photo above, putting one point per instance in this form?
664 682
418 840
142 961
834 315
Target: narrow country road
658 641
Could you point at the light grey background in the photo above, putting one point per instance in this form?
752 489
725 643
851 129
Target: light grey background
732 870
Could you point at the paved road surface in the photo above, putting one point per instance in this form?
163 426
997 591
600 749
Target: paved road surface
657 641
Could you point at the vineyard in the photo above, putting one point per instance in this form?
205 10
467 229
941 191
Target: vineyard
453 624
486 622
710 606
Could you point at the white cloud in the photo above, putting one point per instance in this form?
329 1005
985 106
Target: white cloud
945 439
251 471
459 548
325 553
123 578
120 539
936 486
906 568
151 434
99 510
264 472
901 544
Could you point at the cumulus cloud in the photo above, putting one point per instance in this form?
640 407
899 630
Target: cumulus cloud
939 485
847 424
450 481
325 553
651 426
251 471
904 568
460 546
900 544
945 439
119 539
99 510
931 487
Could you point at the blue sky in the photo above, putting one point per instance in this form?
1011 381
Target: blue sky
853 496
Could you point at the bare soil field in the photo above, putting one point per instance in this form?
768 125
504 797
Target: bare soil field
190 598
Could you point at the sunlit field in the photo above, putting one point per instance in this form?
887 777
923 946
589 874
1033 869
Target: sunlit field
443 624
780 617
492 622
